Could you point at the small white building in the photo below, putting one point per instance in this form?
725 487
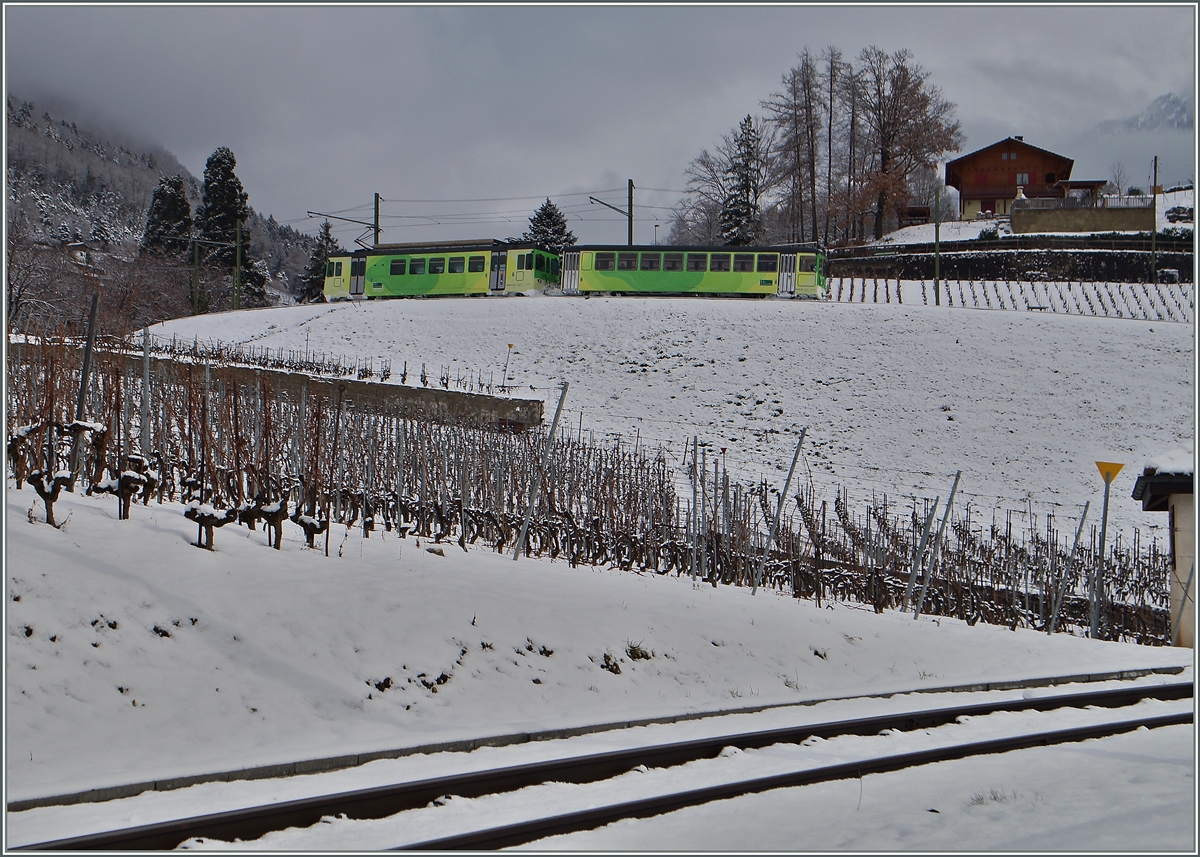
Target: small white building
1166 485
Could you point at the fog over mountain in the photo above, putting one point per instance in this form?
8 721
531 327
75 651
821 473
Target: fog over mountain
1165 128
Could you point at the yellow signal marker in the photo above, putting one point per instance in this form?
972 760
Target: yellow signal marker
1108 470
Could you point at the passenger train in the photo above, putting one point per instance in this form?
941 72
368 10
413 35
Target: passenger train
491 267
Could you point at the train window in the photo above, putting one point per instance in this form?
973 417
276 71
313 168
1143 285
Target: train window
437 266
329 269
672 261
337 269
743 261
416 266
697 262
554 267
808 264
475 264
651 261
605 261
768 262
539 262
397 269
358 267
456 264
719 262
627 261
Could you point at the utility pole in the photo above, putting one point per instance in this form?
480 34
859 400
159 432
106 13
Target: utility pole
376 242
628 214
237 266
195 277
937 243
631 202
1154 224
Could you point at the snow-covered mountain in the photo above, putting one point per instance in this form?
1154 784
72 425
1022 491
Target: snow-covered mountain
75 184
1170 111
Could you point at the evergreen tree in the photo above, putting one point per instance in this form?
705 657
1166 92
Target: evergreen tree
169 221
745 176
224 204
312 281
548 228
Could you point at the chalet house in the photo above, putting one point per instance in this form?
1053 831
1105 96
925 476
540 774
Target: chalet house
1166 485
987 179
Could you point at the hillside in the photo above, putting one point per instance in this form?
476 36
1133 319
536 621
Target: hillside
896 398
71 184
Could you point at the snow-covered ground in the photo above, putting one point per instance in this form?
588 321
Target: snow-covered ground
896 398
133 656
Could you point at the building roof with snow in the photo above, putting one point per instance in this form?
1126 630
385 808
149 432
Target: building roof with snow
1166 473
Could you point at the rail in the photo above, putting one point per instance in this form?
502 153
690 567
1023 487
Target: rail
382 801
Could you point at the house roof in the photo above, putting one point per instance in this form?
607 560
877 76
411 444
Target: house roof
1010 140
1154 488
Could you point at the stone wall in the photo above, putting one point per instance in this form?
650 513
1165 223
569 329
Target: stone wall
1082 220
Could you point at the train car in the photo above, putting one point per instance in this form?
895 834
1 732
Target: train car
484 267
784 271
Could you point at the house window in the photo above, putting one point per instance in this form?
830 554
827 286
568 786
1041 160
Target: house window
397 268
1022 178
605 261
1012 156
1004 156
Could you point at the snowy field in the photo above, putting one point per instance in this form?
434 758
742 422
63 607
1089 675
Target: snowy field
133 656
896 398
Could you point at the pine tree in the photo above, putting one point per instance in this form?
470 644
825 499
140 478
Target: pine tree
169 221
224 204
745 176
548 228
312 281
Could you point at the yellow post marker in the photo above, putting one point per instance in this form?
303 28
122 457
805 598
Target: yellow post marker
1108 472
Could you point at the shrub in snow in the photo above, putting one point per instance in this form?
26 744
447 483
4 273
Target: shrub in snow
48 488
208 519
19 450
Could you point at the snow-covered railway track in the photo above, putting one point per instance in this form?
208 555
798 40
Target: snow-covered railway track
379 802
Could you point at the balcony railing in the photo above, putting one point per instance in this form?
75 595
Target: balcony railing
1085 202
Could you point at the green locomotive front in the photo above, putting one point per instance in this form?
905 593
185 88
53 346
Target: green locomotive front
764 271
484 267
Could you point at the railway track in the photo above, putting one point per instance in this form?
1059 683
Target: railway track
382 801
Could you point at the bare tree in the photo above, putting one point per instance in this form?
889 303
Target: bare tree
911 124
795 113
1120 178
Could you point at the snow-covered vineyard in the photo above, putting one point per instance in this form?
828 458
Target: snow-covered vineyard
205 438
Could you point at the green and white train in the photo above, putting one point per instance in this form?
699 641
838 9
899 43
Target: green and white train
449 268
490 267
765 271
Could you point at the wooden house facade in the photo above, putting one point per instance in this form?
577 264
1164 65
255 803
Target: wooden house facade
987 179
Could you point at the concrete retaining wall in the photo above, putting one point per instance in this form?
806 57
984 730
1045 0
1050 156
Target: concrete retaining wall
1082 219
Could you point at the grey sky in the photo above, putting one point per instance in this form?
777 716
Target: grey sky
325 105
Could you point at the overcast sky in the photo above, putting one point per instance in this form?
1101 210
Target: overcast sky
324 106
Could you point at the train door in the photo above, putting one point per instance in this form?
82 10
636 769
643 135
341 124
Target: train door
570 273
787 275
499 266
358 275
